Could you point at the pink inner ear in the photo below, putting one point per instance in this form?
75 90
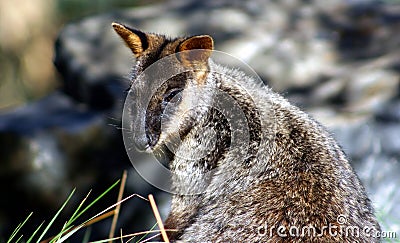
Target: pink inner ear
194 57
197 42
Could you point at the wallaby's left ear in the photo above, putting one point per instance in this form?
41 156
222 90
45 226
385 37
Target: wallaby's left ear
200 48
136 40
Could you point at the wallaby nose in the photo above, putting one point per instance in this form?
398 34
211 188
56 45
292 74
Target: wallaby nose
142 143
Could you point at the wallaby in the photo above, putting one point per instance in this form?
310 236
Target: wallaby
274 174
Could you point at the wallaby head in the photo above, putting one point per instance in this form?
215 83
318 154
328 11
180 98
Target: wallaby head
187 64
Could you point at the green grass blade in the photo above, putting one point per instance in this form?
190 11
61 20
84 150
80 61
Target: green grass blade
68 225
86 237
34 233
107 209
97 199
67 229
72 219
64 229
19 239
15 232
55 216
65 237
144 236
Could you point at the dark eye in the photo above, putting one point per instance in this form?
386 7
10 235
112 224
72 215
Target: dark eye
170 94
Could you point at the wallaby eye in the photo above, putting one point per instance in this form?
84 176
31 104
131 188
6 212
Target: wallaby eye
170 94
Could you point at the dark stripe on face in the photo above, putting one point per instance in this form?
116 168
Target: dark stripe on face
158 103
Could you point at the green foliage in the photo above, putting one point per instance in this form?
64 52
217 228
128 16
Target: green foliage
15 232
68 229
77 8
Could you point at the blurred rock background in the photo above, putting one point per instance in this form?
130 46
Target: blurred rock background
59 127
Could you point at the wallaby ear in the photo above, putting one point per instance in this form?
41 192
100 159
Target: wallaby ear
200 48
134 39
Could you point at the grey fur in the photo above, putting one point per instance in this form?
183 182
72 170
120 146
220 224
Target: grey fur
299 177
284 170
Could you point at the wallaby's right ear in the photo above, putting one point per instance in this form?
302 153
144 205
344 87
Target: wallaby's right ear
134 39
200 48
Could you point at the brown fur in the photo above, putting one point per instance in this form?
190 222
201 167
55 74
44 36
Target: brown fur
293 173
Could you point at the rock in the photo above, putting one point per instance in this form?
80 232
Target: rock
293 59
48 148
389 113
54 111
291 44
361 27
357 139
89 76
